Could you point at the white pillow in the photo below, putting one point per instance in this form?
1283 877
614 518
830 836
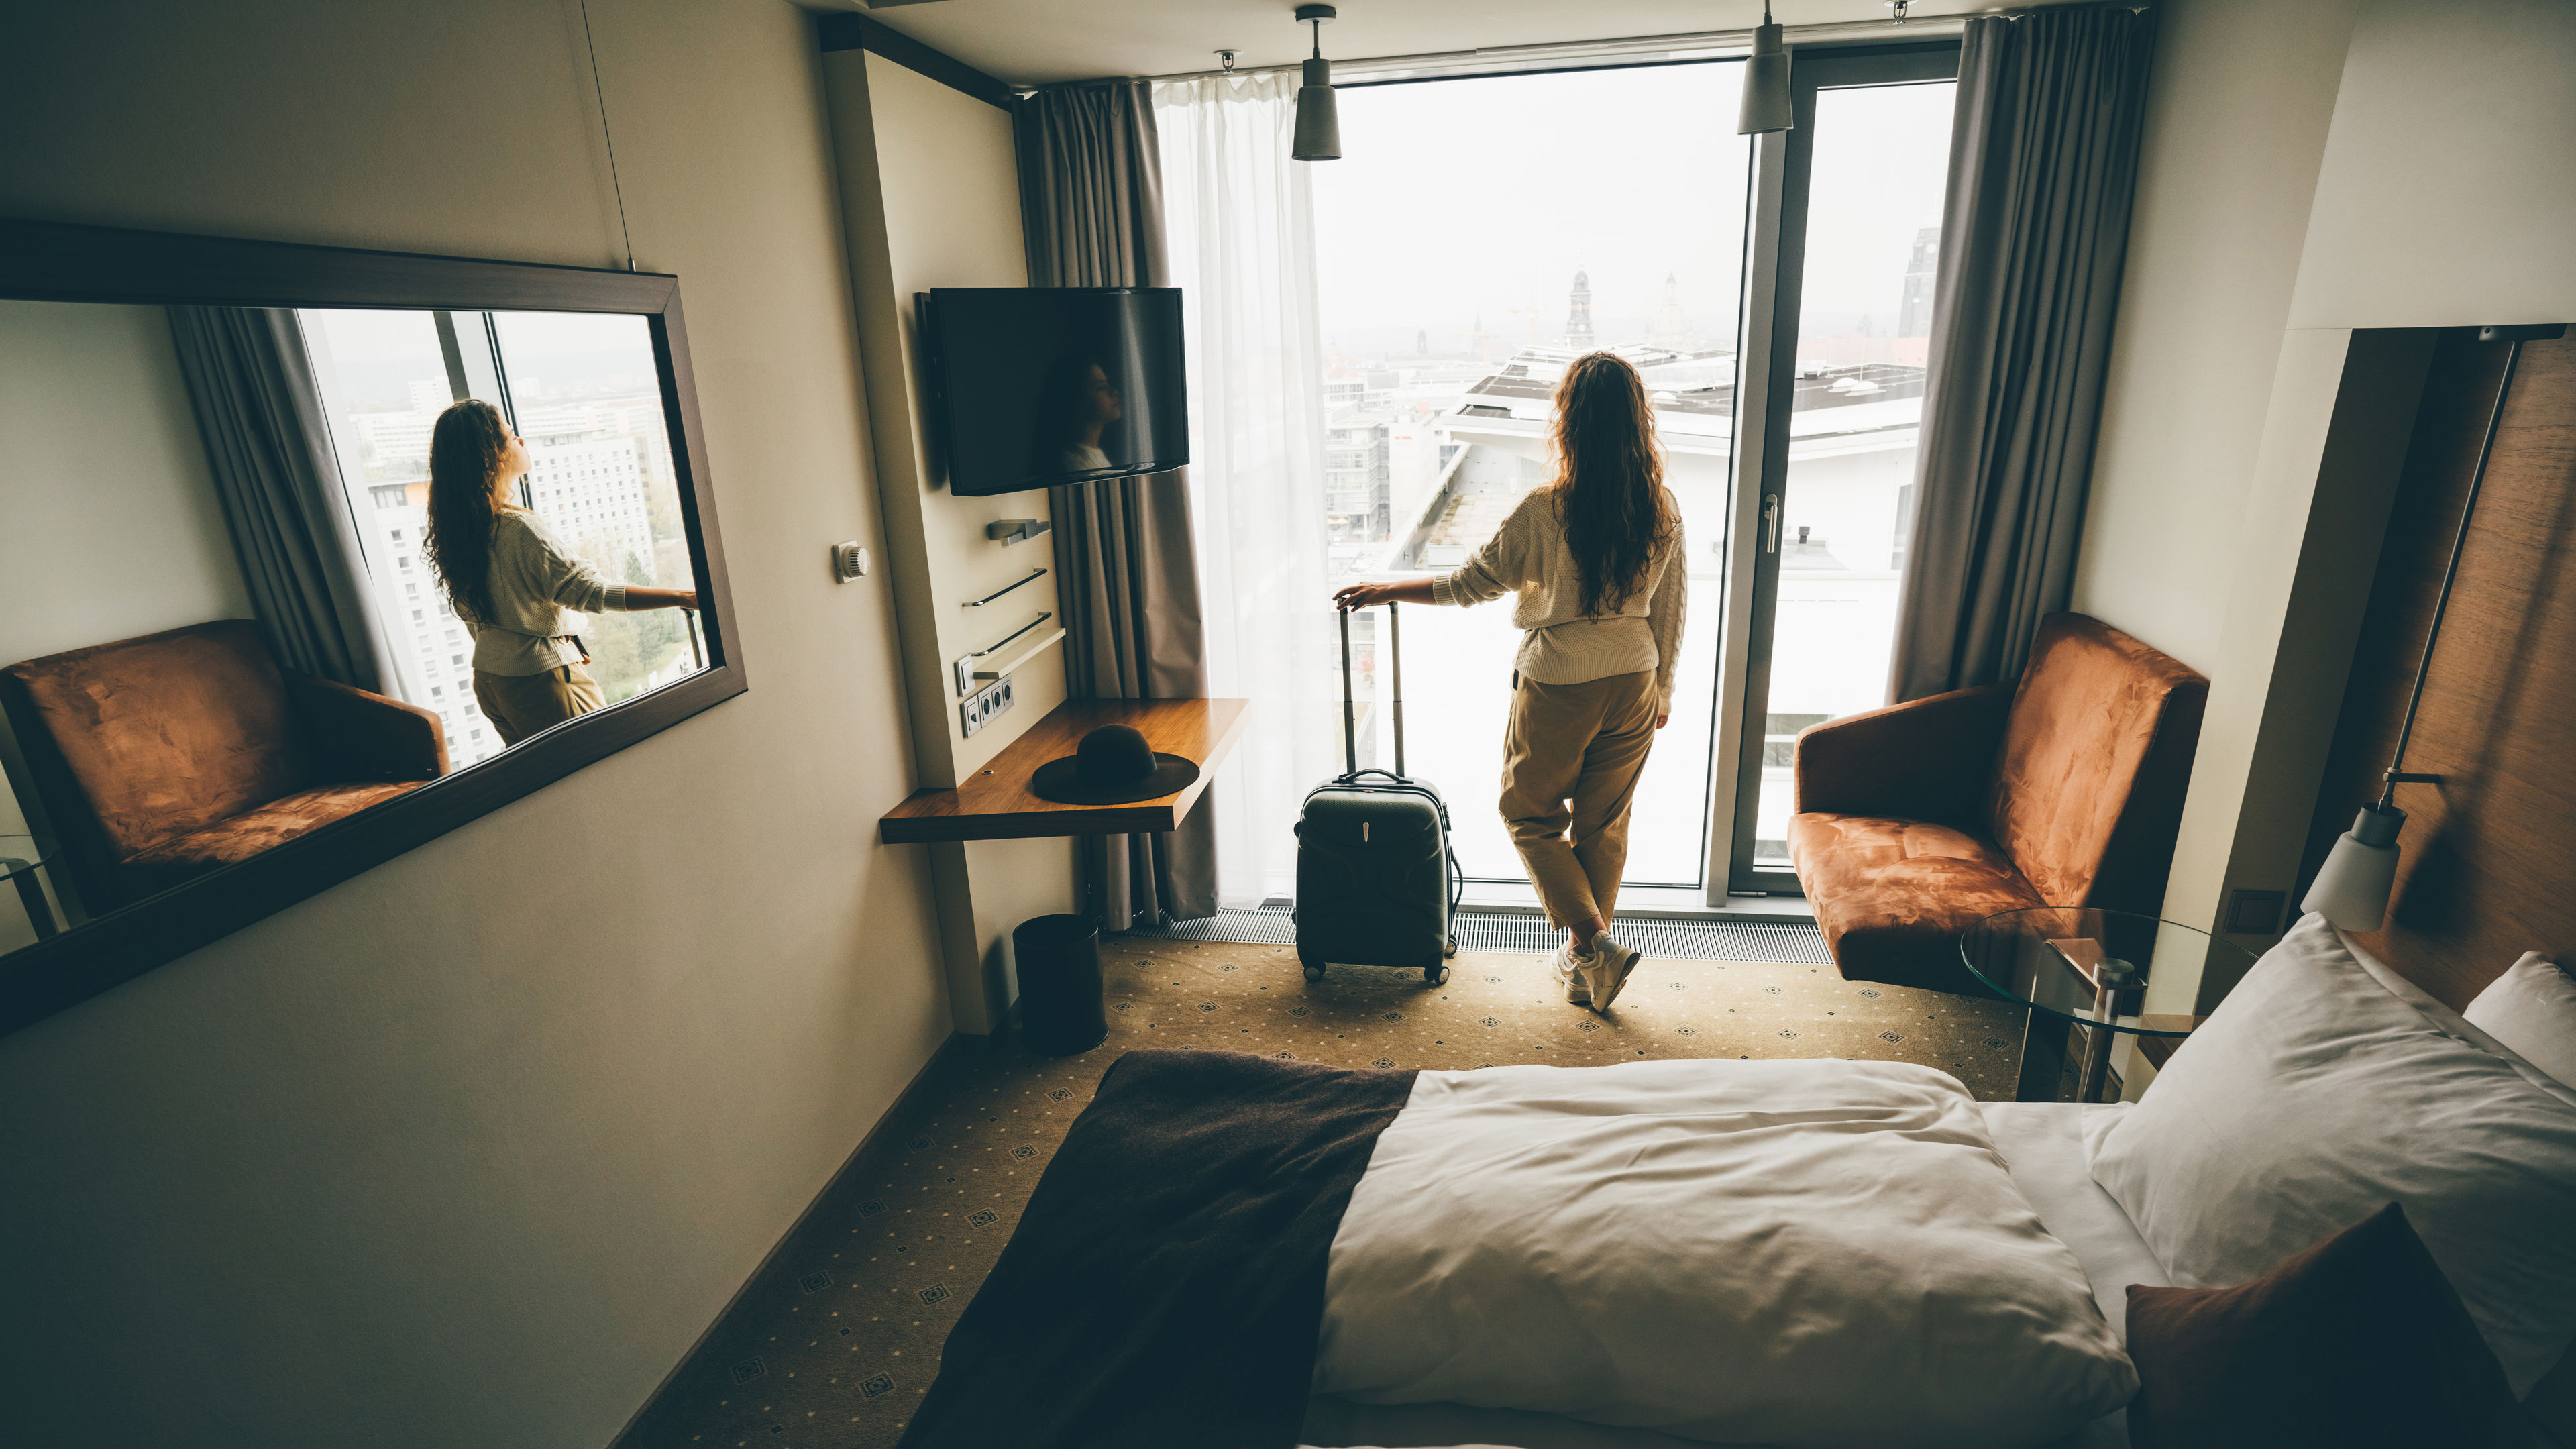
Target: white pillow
2315 1096
2532 1009
1775 1252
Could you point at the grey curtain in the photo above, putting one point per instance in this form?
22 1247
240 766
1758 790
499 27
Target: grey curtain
1091 209
251 384
2043 159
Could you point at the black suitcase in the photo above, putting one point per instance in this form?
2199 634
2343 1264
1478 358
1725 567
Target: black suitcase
1377 882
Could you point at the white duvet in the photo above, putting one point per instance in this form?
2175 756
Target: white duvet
1822 1253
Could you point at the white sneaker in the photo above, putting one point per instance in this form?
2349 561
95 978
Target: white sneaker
1605 969
1567 967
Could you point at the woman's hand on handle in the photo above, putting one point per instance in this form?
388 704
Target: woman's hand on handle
1362 596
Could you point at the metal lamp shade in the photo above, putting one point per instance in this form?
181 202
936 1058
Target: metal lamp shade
1766 86
2352 888
1319 118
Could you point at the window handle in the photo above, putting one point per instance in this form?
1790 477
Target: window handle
1770 523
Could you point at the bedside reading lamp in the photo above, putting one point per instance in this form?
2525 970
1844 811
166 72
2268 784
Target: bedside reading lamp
2351 889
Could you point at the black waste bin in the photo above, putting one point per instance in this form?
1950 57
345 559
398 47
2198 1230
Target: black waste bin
1059 961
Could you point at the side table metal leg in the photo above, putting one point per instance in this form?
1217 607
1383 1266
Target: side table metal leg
2097 1063
2043 1057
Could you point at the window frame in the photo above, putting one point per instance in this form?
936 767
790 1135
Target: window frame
60 262
1762 459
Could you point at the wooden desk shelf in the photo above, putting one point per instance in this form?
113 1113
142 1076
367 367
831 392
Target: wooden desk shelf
996 804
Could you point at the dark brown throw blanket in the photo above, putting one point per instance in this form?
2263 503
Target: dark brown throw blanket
1166 1284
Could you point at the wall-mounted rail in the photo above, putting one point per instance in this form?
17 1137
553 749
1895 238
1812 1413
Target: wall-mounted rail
1033 577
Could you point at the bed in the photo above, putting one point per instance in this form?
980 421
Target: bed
1233 1251
2043 1145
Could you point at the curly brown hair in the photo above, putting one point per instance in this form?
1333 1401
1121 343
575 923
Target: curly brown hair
1609 485
465 449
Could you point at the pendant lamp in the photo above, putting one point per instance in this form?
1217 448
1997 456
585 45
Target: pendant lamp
2352 888
1319 120
1766 83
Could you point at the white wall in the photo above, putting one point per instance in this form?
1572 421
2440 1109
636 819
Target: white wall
2237 115
2449 189
469 1150
2310 169
930 193
109 525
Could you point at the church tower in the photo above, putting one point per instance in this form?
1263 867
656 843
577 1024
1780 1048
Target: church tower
1578 313
1671 329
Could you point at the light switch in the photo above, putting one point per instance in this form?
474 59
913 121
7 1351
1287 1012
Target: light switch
849 561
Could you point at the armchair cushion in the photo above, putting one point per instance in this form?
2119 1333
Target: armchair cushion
1893 896
251 832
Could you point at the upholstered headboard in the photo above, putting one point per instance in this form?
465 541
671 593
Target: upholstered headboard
2489 864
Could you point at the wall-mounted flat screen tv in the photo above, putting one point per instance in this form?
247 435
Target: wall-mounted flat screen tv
1034 386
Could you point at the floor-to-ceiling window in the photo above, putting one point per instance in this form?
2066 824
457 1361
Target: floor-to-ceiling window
1483 234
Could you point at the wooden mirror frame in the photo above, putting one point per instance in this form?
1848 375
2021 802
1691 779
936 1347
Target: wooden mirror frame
56 262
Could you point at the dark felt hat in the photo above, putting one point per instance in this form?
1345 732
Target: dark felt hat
1111 766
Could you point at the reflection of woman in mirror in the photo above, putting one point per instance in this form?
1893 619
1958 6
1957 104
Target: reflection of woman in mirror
1076 403
510 580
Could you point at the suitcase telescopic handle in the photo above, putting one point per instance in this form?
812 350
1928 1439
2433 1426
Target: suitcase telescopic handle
1395 658
1350 715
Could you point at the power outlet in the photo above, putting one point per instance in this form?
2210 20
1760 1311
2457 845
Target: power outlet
985 705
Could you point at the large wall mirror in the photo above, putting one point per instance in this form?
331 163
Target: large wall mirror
310 555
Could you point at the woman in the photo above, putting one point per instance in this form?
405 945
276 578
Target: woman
1595 559
510 581
1076 404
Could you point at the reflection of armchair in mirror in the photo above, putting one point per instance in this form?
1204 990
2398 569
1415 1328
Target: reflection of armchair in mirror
162 758
204 429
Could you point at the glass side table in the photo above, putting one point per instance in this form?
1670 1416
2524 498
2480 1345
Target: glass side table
19 862
2082 970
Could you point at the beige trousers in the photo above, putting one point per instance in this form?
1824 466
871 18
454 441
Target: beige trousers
1571 756
519 705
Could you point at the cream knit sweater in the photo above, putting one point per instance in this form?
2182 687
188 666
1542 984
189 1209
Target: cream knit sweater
534 583
1528 556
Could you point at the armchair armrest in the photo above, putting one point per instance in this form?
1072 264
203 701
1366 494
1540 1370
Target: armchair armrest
356 735
1927 759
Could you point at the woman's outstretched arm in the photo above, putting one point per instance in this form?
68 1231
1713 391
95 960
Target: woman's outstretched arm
639 598
1361 596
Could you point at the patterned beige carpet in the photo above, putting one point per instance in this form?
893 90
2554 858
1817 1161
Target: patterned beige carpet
833 1345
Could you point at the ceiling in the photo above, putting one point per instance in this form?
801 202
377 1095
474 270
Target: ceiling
1034 42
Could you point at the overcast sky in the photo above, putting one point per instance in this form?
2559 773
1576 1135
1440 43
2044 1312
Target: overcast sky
1455 198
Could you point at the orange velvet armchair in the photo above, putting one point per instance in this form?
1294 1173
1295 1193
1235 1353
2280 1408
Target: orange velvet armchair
1916 821
162 758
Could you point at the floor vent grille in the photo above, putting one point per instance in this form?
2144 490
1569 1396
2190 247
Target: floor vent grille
1513 931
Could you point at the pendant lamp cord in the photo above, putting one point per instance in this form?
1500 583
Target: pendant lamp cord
2451 572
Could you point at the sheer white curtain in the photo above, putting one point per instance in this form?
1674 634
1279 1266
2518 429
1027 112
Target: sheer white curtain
1241 227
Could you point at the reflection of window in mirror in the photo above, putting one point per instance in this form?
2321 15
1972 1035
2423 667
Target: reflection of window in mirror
583 391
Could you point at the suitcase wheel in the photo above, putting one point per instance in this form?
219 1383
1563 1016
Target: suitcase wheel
1451 949
1436 975
1314 967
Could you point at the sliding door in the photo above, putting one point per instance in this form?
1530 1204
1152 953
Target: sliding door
1830 473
